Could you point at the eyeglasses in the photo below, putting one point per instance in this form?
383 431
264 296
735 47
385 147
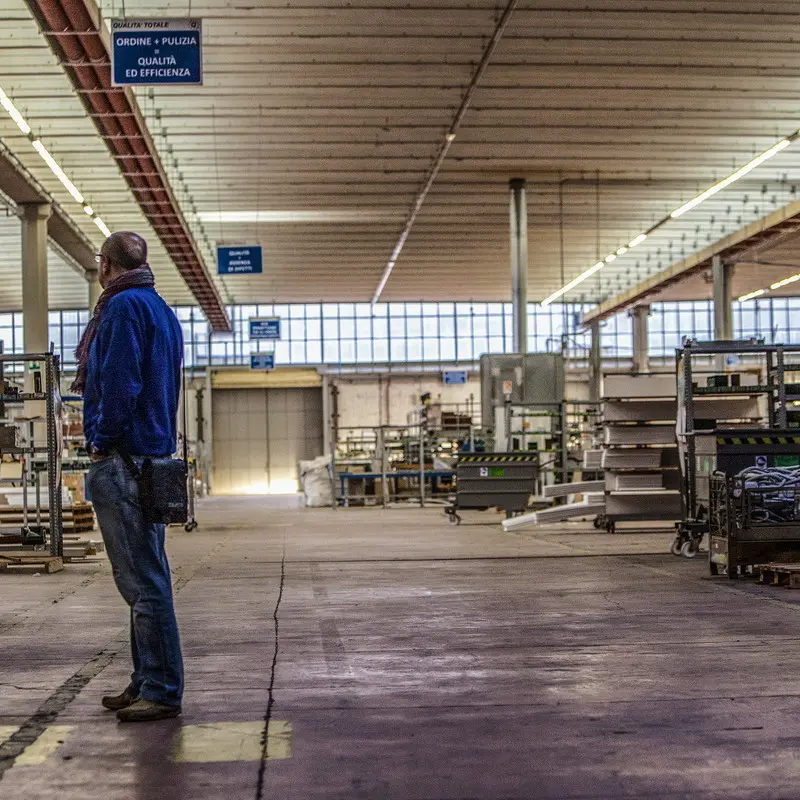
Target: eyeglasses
98 257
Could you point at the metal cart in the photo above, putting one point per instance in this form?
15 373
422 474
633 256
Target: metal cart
753 521
719 446
494 480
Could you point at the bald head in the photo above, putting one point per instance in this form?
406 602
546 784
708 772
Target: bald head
125 250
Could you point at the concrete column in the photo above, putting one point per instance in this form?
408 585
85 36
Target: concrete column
95 289
519 263
34 276
639 315
34 288
595 363
722 273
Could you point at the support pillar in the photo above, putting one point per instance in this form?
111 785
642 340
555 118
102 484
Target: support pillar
595 363
34 282
519 263
95 289
639 314
722 275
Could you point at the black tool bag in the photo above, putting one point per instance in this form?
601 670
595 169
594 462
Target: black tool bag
163 483
163 489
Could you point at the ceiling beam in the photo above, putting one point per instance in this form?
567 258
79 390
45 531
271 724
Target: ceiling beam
20 187
741 246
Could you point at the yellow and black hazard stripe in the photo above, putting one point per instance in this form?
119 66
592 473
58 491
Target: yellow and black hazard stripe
757 440
489 458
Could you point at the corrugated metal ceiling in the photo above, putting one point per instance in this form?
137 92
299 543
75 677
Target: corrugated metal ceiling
338 108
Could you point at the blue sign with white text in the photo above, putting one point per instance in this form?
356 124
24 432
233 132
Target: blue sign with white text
147 52
239 261
455 377
262 361
265 328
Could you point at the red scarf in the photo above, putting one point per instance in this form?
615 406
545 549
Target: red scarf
138 278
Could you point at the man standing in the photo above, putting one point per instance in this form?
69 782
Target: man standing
129 372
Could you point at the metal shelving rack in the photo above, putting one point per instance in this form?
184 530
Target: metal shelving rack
754 408
640 455
47 390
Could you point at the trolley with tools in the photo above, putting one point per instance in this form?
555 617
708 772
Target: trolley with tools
505 481
718 432
754 518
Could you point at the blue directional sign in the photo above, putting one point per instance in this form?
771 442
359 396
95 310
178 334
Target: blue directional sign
262 361
239 261
265 328
146 52
454 377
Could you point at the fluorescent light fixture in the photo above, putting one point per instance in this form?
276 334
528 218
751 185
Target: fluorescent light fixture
786 281
451 137
637 241
335 215
757 293
622 251
13 112
102 226
734 176
89 210
610 258
573 283
56 169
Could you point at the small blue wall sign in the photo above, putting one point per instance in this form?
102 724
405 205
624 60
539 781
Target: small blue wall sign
262 361
454 377
266 328
151 52
239 261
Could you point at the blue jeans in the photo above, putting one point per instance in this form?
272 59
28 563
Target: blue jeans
141 572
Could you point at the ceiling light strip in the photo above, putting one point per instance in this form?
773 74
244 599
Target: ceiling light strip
48 159
680 211
445 146
757 293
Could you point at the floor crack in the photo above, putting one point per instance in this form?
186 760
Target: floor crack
262 767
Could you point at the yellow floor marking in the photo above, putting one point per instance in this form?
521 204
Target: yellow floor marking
231 741
6 732
48 742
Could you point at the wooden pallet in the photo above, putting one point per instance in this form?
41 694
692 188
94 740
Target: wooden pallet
30 562
787 575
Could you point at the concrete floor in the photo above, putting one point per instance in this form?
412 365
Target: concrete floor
414 660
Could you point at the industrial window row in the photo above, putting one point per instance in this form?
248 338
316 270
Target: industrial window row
353 333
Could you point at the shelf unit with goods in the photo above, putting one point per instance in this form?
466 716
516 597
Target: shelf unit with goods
640 452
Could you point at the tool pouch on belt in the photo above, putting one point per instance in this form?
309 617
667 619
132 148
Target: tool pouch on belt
163 488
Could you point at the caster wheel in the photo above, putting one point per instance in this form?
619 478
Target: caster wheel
190 526
455 519
689 549
611 527
596 523
675 548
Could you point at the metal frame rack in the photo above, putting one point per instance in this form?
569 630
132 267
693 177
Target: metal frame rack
391 455
754 414
50 535
572 426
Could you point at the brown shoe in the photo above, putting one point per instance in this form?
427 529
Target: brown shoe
147 711
118 701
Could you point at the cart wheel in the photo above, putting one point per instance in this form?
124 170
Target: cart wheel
596 522
675 549
455 519
190 526
690 548
611 527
